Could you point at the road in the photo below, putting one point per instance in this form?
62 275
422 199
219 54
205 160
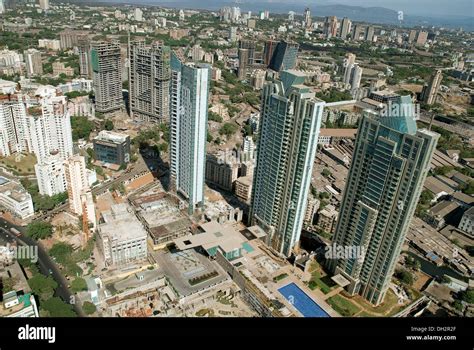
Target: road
45 264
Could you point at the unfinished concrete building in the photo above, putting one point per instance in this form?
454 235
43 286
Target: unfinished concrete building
106 65
150 74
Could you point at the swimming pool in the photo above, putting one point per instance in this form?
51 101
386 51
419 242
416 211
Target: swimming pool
301 301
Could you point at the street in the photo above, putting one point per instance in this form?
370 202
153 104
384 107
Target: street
45 264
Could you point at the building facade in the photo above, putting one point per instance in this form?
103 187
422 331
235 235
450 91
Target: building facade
188 128
289 128
106 65
150 75
389 166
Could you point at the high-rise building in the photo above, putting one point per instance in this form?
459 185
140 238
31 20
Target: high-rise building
106 65
188 128
243 62
44 4
49 128
430 92
356 76
14 134
348 64
330 27
138 15
422 37
76 182
288 137
284 56
358 30
369 33
307 18
389 166
233 34
346 25
34 65
83 48
50 175
269 49
150 74
249 45
412 36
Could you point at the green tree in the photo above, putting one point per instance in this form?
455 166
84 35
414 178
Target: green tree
42 286
61 252
79 285
81 127
58 308
109 125
228 129
39 230
404 276
88 308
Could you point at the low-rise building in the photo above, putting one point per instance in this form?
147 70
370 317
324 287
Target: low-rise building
18 305
467 222
112 147
163 217
439 214
15 199
243 188
327 218
121 236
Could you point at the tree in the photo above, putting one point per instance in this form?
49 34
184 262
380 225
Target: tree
42 286
467 296
109 125
58 308
61 252
326 172
88 308
39 230
78 285
404 276
228 129
81 128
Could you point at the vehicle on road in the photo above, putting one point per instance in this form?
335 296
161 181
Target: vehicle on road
15 231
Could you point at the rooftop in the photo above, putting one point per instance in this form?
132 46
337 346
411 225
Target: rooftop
120 223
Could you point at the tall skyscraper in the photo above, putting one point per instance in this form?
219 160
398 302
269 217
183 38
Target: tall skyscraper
356 76
269 49
389 165
188 128
307 18
76 182
83 48
358 30
34 65
107 76
284 56
430 92
243 62
346 25
150 74
369 33
249 45
289 129
348 64
330 27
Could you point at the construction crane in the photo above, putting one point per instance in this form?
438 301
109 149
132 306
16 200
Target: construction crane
85 224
